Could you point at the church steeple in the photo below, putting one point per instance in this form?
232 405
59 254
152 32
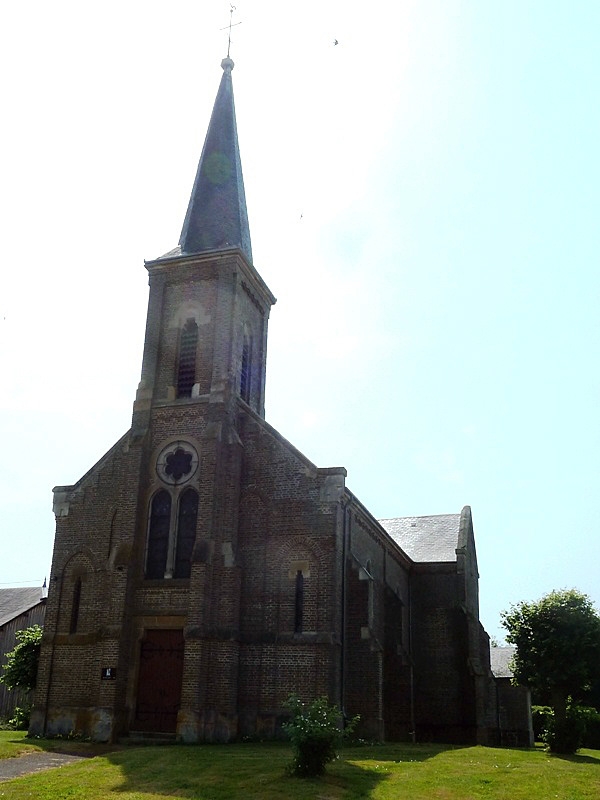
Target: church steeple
216 216
208 310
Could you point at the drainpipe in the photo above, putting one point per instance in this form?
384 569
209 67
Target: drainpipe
413 732
59 587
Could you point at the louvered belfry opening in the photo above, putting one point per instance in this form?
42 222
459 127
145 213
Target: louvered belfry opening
245 370
186 373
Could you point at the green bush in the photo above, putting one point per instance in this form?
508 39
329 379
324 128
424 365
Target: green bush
591 721
20 669
315 731
582 722
20 719
539 719
580 728
565 736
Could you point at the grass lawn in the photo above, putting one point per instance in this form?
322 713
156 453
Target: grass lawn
16 743
381 772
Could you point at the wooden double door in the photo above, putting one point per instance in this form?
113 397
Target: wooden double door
159 681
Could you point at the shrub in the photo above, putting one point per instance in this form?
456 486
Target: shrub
565 736
539 719
591 721
20 719
315 731
20 669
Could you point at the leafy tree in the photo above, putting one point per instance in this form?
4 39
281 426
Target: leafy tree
20 669
557 643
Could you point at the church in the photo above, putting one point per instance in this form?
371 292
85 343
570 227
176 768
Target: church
204 569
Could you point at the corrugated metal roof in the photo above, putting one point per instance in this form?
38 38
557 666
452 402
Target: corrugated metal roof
17 600
431 539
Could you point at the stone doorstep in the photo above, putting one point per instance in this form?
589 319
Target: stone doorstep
137 738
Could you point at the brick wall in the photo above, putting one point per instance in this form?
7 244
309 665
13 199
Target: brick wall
285 527
444 690
294 587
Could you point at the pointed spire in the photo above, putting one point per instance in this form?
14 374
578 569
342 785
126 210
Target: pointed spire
217 217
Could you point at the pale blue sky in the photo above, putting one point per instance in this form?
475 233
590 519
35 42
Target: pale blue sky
423 201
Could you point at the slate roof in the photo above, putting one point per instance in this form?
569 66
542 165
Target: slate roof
431 539
500 658
17 600
217 217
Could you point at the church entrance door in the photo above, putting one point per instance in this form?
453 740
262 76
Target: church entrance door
159 681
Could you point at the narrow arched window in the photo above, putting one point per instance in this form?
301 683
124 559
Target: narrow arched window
299 602
246 371
186 369
158 535
76 602
186 533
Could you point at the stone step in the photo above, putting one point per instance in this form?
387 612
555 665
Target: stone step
138 738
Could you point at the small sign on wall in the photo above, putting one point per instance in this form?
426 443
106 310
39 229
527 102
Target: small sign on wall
109 673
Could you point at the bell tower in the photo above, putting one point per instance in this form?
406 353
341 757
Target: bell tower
208 311
204 365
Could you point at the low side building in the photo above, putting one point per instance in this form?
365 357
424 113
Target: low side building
20 608
513 703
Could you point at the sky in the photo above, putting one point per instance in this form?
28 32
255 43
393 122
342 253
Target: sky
423 200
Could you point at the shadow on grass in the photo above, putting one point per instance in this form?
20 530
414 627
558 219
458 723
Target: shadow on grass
577 758
258 771
254 771
399 751
251 771
66 746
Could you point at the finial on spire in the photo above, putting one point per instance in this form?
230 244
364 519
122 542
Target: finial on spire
231 25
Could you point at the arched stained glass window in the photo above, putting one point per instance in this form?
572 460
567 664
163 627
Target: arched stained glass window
158 535
186 533
186 370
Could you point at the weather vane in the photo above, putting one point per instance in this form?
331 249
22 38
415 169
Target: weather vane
230 26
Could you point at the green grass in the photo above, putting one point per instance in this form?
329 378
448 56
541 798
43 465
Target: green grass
256 771
16 743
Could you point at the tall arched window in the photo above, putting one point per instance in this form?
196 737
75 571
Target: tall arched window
186 533
186 369
296 614
246 369
299 602
75 604
158 535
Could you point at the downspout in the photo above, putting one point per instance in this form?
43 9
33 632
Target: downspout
413 732
51 665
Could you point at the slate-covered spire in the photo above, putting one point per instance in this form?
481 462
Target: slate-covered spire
217 217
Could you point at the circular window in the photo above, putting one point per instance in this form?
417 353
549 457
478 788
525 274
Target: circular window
177 463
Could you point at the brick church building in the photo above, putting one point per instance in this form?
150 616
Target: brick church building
204 568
